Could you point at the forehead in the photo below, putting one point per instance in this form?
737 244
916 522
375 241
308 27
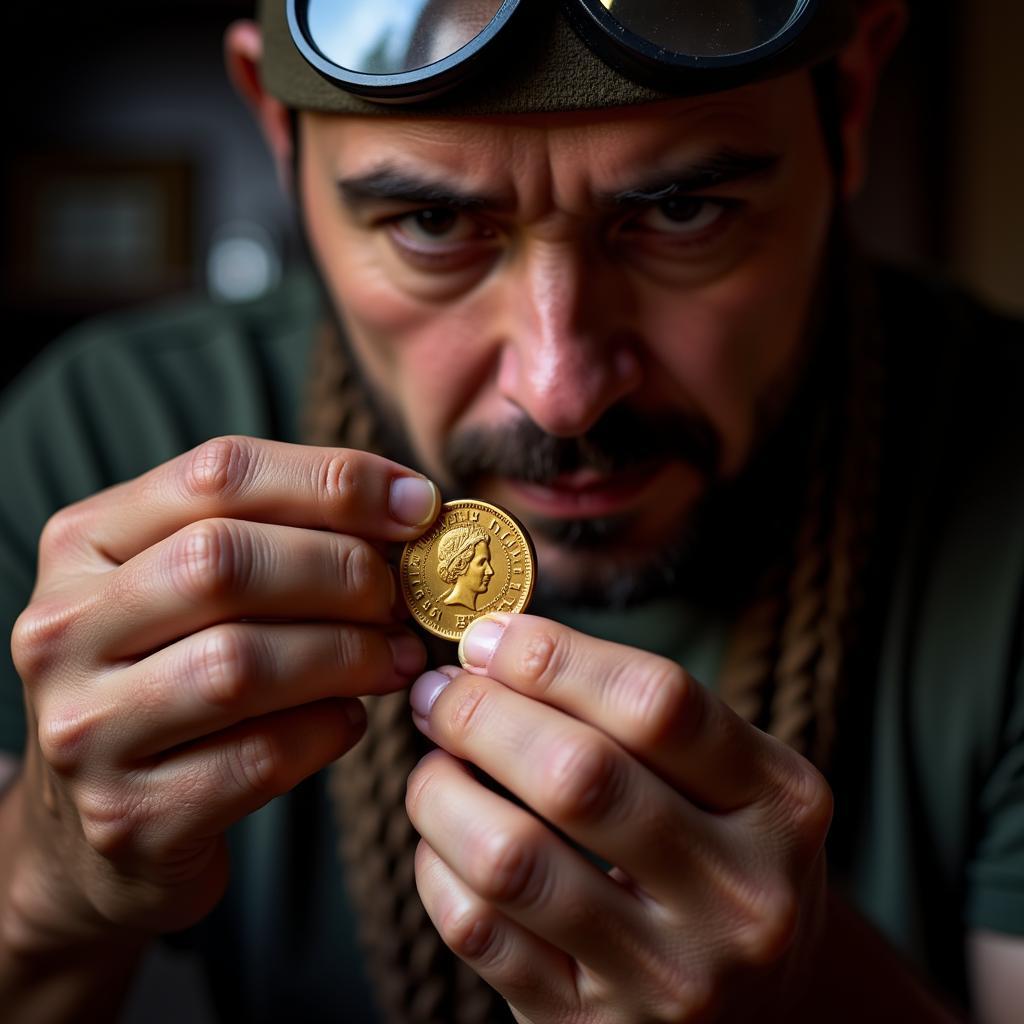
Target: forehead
602 150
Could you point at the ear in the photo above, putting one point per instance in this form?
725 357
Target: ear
243 51
861 62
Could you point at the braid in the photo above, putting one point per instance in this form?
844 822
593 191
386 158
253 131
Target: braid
416 979
792 683
784 671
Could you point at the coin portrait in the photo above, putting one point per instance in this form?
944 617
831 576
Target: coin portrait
475 559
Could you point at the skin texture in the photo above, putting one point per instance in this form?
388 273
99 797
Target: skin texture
556 310
236 602
193 648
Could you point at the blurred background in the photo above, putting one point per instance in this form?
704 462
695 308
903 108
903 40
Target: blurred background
132 172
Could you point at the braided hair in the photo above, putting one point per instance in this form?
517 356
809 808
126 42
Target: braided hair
785 670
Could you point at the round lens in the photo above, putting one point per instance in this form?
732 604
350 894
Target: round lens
707 28
394 37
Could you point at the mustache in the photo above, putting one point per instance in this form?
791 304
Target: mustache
624 438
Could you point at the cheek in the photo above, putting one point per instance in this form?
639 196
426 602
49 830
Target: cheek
420 355
733 346
425 361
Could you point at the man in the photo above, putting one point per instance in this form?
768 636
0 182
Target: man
620 304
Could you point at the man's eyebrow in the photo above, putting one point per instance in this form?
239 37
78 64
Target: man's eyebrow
388 184
722 168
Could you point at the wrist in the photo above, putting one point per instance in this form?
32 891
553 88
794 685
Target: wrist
43 911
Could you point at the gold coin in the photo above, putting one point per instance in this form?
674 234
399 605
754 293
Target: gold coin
475 559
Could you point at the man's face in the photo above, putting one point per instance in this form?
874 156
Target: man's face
590 319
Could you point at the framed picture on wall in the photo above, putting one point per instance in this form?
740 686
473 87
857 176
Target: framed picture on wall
98 230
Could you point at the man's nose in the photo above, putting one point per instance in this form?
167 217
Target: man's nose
569 354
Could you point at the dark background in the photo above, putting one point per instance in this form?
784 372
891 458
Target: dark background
128 158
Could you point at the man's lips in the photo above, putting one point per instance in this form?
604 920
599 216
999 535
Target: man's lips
584 493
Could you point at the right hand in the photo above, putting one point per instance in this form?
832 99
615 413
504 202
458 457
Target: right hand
194 647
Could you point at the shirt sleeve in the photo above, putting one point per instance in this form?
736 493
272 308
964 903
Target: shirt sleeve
124 394
48 463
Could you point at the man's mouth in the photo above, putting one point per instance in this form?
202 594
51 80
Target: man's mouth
581 494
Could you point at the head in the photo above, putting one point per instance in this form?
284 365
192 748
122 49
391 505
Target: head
593 316
465 552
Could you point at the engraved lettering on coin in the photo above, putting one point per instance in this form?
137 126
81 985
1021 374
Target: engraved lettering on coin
475 559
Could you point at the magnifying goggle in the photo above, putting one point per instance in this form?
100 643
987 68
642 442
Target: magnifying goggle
405 51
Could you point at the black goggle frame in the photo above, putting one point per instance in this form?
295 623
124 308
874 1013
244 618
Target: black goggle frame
624 50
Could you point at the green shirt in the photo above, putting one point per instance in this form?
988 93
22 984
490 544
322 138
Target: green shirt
929 833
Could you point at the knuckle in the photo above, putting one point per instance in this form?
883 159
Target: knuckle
355 566
64 735
65 530
470 933
352 649
505 866
223 666
110 821
207 560
663 701
255 764
809 804
417 787
338 482
584 778
770 925
466 710
538 662
39 635
218 469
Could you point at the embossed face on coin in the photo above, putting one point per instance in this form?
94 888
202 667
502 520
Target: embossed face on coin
475 559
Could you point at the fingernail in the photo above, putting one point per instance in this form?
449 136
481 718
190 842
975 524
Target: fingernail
426 690
408 653
479 641
414 501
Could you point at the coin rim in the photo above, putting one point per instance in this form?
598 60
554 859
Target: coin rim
449 506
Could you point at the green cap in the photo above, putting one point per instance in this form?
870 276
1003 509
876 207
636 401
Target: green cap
553 70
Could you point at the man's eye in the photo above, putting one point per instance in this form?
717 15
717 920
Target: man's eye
437 224
683 216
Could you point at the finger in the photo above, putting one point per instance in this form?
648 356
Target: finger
646 703
511 860
247 478
580 780
203 789
535 977
218 570
224 675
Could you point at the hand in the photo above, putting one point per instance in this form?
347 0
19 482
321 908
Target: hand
194 647
714 831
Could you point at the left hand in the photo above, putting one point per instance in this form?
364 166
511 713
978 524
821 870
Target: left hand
715 831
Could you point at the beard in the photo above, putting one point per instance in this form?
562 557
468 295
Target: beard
608 563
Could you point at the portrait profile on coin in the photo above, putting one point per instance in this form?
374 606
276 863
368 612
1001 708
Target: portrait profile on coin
464 562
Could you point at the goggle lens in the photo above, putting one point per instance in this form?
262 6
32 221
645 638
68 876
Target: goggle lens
393 37
706 28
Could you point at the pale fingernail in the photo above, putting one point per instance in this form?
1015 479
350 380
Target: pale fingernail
479 642
408 653
426 690
414 501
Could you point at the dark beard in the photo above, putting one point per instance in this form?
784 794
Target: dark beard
624 440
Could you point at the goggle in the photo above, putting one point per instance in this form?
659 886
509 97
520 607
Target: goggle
405 51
